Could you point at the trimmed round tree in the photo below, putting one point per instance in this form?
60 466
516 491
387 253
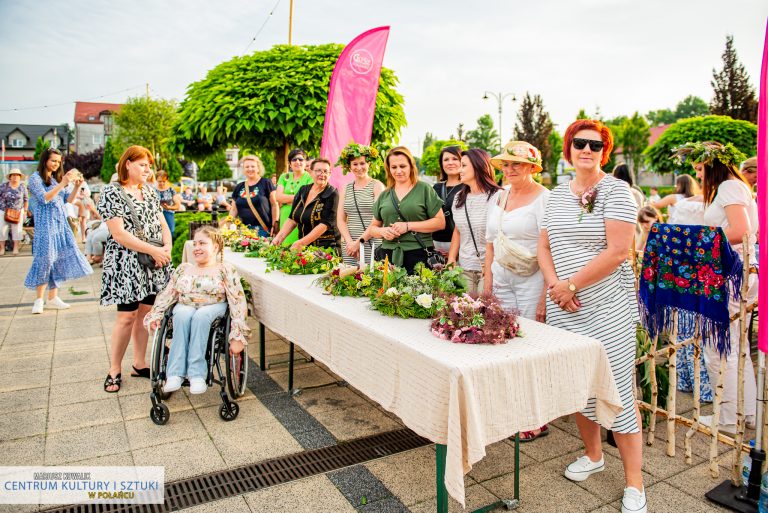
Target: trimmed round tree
724 129
215 168
274 100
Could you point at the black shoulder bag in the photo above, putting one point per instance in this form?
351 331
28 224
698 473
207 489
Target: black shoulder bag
145 259
434 259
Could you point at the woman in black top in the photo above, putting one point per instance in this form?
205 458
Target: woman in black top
258 208
447 188
314 212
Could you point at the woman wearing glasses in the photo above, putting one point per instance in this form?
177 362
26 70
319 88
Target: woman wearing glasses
585 240
313 213
287 186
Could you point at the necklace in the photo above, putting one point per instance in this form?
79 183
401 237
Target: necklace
580 192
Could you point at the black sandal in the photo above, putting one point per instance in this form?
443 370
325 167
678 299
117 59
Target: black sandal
140 373
111 382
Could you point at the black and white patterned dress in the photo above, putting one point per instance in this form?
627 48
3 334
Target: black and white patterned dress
609 307
125 280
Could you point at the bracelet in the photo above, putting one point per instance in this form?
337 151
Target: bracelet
407 227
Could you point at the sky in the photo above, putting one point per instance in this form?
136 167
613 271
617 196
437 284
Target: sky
609 56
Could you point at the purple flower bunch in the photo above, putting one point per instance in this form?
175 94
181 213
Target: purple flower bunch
466 319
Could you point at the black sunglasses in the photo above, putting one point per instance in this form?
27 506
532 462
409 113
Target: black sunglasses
594 145
297 159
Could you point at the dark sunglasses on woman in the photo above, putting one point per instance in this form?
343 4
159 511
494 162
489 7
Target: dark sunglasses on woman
594 145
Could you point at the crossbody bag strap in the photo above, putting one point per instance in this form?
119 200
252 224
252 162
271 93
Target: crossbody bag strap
472 233
357 207
400 214
250 205
132 211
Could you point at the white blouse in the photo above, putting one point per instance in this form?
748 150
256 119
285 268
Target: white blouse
688 211
733 192
521 225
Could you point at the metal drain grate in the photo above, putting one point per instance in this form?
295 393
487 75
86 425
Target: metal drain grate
229 483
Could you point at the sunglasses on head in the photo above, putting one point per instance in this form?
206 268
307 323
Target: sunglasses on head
594 145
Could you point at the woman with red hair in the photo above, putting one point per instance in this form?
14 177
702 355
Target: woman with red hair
585 240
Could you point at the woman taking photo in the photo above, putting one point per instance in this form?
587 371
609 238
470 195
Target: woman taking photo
446 189
405 214
134 217
470 210
357 199
254 200
170 200
728 204
585 240
14 202
314 212
514 224
56 257
287 186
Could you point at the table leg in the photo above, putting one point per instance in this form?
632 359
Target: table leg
262 347
442 494
290 369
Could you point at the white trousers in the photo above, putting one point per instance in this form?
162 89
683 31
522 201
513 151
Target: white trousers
517 292
731 371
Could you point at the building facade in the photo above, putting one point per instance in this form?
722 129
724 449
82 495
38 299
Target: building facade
94 122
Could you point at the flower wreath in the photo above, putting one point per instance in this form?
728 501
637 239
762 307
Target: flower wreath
707 152
352 151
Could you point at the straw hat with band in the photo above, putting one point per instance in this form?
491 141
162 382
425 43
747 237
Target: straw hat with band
15 172
519 151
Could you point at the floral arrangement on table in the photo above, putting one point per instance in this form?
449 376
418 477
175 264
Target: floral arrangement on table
238 237
346 280
417 295
467 320
309 260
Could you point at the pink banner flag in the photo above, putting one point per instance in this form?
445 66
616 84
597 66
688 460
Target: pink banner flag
352 97
762 192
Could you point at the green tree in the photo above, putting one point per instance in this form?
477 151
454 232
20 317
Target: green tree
691 107
742 134
148 122
429 138
40 147
534 126
661 117
109 161
556 143
582 115
430 159
274 100
484 136
215 168
633 139
734 95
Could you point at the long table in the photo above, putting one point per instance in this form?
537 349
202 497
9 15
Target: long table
462 396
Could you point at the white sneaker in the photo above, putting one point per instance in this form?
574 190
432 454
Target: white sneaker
582 468
751 422
197 386
634 501
172 384
57 304
37 306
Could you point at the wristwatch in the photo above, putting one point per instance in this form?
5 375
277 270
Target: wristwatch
571 286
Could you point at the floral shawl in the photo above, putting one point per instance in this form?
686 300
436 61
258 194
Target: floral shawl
694 270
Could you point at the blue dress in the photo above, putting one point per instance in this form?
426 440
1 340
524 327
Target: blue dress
56 257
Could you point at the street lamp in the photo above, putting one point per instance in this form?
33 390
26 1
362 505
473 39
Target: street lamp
499 97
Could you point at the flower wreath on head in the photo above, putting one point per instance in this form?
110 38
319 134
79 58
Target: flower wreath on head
352 151
708 151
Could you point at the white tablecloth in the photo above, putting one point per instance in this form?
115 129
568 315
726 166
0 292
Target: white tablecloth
464 396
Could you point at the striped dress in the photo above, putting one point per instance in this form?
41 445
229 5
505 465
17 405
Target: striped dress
609 307
355 224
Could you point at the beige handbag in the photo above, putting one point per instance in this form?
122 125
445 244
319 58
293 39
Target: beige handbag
510 254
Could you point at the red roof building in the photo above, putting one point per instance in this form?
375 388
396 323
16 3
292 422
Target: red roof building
93 124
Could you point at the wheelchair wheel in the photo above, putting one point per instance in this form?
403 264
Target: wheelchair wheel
160 414
228 411
237 372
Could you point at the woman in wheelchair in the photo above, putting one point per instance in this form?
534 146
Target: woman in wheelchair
200 292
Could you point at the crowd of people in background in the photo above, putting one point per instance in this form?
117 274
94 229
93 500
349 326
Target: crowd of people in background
558 256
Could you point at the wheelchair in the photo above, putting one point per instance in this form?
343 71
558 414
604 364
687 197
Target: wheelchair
232 378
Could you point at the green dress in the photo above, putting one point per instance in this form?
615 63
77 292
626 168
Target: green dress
420 204
291 186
